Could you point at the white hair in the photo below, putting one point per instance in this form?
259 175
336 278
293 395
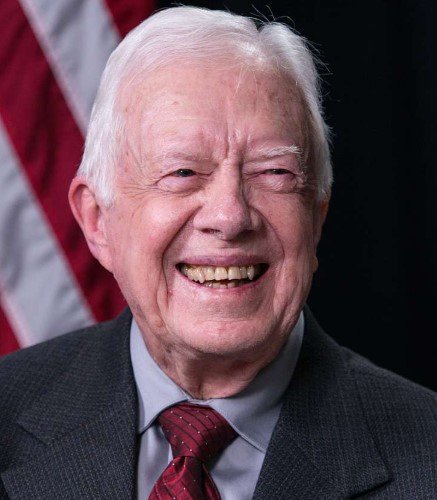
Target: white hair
186 33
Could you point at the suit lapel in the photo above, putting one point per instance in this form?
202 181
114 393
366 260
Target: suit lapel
83 429
321 446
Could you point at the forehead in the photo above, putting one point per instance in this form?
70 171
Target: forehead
200 102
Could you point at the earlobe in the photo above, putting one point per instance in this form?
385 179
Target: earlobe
315 263
89 213
320 213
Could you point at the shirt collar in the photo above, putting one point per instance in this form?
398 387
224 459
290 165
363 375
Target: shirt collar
252 413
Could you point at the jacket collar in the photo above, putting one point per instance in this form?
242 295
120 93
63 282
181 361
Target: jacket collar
81 439
321 446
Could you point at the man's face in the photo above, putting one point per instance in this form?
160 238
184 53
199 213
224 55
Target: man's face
209 194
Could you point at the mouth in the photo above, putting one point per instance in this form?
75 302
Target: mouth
222 277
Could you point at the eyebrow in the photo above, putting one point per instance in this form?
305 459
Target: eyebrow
264 154
278 151
183 156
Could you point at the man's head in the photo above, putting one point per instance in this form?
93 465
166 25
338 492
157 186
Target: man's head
205 182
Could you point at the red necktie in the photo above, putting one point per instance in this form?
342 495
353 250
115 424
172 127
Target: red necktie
196 434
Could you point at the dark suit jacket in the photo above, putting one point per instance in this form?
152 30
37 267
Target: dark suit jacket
347 428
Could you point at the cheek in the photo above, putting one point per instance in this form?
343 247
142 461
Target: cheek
291 220
298 265
144 237
292 224
162 225
139 240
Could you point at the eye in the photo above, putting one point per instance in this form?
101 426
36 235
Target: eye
183 172
182 180
277 171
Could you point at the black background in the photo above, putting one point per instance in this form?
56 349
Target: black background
375 290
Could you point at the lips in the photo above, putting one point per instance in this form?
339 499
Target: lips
220 276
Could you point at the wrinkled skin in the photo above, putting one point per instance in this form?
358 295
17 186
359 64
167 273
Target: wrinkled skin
199 182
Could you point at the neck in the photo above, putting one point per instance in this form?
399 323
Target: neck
209 378
206 376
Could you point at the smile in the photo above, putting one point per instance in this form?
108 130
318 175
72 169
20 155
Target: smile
222 277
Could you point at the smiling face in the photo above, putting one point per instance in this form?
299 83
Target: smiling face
213 232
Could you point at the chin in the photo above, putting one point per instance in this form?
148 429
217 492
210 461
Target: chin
229 339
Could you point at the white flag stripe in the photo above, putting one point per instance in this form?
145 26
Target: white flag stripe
39 291
77 39
20 328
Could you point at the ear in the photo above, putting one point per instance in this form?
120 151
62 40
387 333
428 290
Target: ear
320 211
90 215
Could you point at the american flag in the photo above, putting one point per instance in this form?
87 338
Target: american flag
52 53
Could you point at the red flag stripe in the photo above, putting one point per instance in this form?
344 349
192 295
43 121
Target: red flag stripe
127 15
37 282
49 145
58 27
8 342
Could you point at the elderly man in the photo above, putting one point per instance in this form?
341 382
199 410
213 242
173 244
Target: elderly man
203 188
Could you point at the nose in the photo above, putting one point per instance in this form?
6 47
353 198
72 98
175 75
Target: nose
225 211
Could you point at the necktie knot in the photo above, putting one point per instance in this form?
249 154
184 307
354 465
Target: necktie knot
195 431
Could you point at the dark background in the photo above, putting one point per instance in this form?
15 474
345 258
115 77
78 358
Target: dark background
375 290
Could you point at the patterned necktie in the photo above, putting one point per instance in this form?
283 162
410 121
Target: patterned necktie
196 434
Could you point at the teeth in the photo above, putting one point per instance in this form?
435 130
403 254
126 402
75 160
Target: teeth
210 276
209 273
190 274
234 273
221 273
199 275
250 272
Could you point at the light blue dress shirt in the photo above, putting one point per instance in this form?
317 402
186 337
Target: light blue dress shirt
253 414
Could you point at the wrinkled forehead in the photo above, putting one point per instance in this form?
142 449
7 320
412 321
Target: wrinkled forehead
187 99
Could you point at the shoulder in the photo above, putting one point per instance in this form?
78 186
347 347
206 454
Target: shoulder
27 374
397 410
402 419
373 408
52 354
382 392
401 413
388 397
383 386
